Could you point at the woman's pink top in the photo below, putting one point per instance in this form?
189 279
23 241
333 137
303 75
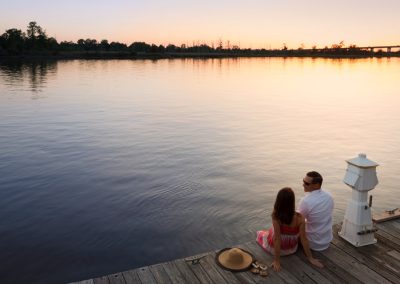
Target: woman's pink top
289 239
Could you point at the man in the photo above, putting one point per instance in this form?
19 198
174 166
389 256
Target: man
317 208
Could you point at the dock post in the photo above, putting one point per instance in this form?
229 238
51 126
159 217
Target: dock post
357 227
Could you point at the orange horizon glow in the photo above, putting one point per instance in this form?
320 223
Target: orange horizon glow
254 24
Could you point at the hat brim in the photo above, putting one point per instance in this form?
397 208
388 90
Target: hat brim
248 260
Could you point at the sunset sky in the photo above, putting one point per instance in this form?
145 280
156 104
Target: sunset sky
247 23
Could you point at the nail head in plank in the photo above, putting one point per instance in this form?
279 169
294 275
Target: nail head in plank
117 278
131 276
101 280
160 274
145 275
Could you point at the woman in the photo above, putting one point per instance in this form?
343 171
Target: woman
288 227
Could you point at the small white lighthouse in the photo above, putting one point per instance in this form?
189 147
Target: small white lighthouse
357 227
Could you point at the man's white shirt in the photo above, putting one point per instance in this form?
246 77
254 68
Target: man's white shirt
317 207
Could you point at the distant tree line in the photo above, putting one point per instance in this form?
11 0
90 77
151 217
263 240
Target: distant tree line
16 41
35 41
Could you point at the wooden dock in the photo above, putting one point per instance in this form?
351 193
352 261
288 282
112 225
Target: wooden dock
378 263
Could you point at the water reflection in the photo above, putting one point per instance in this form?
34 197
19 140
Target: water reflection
32 75
170 158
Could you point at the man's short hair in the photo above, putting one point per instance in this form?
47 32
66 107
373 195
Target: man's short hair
316 177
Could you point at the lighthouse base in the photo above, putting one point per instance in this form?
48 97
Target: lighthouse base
357 235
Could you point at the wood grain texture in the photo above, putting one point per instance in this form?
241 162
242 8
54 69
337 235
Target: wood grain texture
343 263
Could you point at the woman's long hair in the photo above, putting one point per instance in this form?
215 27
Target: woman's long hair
284 206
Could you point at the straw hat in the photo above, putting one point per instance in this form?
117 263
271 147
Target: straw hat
234 259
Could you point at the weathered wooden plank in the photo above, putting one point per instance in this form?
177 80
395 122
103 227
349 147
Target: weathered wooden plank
379 217
344 263
358 270
196 257
216 273
259 254
173 272
285 274
316 274
89 281
101 280
378 257
389 228
198 270
246 277
388 239
190 277
300 270
159 273
385 254
331 268
391 261
117 278
395 254
395 224
145 275
131 276
379 250
372 256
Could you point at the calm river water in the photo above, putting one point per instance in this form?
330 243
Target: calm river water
115 164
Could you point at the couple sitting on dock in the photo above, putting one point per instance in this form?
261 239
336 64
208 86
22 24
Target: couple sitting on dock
311 225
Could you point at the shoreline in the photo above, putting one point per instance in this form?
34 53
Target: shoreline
186 55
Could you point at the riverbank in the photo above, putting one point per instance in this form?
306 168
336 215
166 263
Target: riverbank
202 55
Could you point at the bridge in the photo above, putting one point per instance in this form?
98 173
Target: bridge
388 47
370 48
